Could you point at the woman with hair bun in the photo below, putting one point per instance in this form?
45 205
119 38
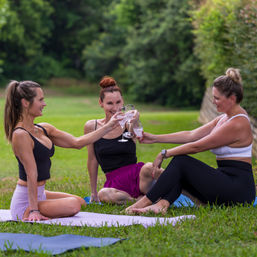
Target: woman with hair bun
228 136
33 145
126 180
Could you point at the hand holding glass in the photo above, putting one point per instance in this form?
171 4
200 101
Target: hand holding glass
138 129
129 112
122 124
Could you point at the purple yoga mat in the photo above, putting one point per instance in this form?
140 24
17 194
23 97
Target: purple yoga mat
92 219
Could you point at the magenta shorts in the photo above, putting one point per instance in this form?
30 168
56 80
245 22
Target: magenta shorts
125 179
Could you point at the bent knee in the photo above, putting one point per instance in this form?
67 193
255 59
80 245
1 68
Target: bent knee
108 195
74 205
148 165
147 168
104 194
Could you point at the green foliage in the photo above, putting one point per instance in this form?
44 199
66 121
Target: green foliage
3 12
76 25
149 48
159 61
103 55
226 37
23 35
41 39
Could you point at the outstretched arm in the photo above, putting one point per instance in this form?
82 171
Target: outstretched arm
234 133
66 140
181 137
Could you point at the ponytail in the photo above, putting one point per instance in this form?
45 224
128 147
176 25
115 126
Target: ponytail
15 91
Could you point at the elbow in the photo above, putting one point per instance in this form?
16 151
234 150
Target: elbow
77 145
32 178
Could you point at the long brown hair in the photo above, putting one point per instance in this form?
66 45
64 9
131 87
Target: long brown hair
16 91
108 84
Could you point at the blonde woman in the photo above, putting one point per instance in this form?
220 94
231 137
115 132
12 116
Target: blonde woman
228 136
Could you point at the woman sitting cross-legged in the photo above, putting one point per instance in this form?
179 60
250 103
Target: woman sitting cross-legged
33 145
126 180
228 136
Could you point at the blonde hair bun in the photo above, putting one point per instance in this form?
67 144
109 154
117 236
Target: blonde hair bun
234 74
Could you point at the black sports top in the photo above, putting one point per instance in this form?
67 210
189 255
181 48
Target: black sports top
112 154
42 156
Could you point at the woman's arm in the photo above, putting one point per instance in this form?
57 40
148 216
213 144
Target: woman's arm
66 140
92 163
236 132
181 137
23 149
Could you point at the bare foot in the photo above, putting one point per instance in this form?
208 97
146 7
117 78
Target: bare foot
139 198
143 202
160 207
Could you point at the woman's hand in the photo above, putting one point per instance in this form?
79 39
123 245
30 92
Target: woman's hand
94 197
135 116
147 138
115 120
35 216
157 165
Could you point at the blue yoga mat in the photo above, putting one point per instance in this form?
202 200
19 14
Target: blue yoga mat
54 245
182 201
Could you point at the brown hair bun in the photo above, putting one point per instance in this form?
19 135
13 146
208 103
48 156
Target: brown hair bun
107 82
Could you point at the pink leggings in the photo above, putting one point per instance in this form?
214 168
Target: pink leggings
20 200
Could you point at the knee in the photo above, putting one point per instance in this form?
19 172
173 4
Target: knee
147 168
104 195
74 205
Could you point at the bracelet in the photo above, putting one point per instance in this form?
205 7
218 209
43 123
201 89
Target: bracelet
33 211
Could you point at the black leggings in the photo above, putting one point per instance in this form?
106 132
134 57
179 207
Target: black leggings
232 182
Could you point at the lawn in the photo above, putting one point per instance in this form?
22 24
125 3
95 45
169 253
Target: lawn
216 231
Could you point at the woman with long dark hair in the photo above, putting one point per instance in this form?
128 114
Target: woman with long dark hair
33 145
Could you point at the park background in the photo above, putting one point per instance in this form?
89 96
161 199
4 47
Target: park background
164 54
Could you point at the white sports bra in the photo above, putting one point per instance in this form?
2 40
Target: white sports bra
227 151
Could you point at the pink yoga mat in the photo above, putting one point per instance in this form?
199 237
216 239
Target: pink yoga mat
92 219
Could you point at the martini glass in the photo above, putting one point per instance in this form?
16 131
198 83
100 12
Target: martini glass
138 129
129 113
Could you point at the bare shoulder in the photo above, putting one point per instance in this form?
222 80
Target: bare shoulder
21 138
240 122
19 133
47 126
89 126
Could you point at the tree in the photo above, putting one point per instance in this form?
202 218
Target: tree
158 57
26 29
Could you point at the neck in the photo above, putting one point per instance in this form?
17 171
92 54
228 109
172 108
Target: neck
27 123
237 109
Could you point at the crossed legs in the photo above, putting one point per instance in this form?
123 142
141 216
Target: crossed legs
58 204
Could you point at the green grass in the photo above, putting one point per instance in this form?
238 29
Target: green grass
216 231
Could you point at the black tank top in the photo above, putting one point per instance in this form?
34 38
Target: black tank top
42 156
112 154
